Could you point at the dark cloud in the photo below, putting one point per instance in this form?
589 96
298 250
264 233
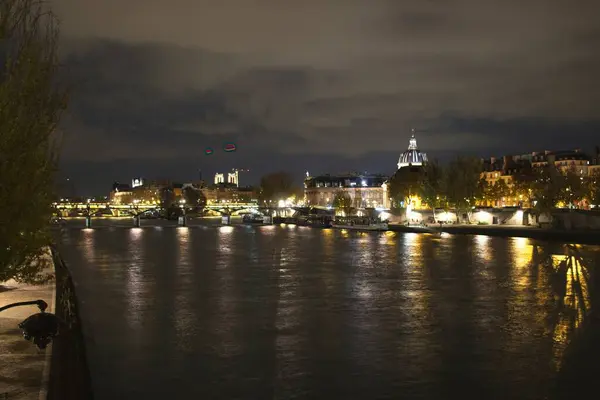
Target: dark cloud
299 84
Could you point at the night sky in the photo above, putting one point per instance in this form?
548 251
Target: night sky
320 85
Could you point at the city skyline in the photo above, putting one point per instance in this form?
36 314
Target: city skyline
156 83
242 180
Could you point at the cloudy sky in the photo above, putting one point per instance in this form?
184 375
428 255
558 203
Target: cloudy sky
320 85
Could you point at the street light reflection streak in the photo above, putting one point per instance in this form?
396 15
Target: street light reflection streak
184 313
135 284
483 248
225 229
225 316
89 244
288 315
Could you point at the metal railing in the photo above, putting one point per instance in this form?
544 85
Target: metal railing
69 372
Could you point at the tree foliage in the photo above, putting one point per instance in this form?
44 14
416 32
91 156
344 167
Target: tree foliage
463 188
524 185
432 185
31 103
276 186
191 196
343 202
167 197
405 183
593 188
573 188
500 191
547 188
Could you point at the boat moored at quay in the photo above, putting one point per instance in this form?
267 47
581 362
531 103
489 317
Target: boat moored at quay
359 224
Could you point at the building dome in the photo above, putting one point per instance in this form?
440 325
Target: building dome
412 156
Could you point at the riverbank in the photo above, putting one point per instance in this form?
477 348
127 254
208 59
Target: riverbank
24 370
571 236
565 236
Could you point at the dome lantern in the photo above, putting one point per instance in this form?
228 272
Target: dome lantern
412 156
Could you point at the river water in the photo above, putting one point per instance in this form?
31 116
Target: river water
287 312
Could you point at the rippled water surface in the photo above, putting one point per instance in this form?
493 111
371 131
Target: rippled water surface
286 312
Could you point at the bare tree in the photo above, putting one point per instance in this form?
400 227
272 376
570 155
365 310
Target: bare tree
31 103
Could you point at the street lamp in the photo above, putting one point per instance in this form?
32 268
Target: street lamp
39 328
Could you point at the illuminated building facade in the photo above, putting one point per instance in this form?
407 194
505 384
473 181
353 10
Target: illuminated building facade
229 194
569 160
366 191
507 167
121 194
233 178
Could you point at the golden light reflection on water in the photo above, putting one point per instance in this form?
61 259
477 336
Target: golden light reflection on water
483 248
289 310
413 249
571 291
388 238
369 247
328 245
226 318
521 250
184 314
561 284
89 244
225 229
135 284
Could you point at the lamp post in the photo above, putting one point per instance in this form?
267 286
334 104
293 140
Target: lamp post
88 217
182 220
136 215
40 328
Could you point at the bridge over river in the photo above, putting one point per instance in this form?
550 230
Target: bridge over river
91 210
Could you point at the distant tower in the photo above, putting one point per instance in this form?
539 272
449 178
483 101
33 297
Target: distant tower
233 177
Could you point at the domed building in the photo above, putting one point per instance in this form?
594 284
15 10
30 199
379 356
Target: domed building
410 164
413 156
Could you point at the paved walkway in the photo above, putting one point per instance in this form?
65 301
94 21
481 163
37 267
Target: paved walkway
24 369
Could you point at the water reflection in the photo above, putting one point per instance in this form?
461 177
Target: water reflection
184 313
289 309
135 282
568 272
226 317
89 244
231 312
483 248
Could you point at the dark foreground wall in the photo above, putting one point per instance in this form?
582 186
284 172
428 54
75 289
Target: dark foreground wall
69 373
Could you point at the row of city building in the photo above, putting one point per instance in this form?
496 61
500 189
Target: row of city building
225 189
373 190
365 190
